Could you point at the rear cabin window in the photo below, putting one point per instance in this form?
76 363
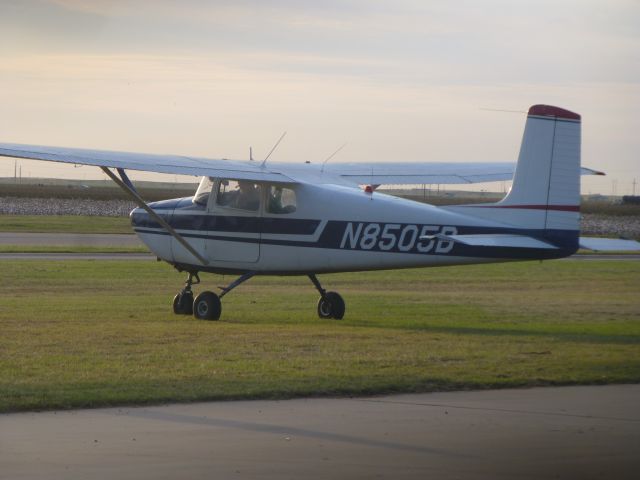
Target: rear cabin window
281 200
239 194
204 189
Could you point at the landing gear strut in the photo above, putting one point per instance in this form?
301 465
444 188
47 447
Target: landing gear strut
331 304
207 305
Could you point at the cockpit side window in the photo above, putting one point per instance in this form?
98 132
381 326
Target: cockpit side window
201 196
239 194
281 200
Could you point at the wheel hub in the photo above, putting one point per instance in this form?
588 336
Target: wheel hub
202 308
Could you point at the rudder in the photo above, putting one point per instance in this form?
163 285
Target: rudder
547 176
544 199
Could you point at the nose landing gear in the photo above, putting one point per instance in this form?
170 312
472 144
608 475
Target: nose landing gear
183 301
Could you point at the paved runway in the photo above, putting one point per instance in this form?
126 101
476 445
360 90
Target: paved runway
566 433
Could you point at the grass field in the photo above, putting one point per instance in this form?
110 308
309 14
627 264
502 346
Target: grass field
71 249
87 334
64 224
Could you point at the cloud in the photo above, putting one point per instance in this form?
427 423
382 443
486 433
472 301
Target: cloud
392 78
422 42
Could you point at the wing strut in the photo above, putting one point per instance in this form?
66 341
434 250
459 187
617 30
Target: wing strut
128 188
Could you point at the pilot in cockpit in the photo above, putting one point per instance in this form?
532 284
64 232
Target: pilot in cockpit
248 196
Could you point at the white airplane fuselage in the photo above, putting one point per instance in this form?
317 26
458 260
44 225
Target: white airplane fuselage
333 229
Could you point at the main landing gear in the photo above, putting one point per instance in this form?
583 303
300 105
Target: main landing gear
207 305
331 304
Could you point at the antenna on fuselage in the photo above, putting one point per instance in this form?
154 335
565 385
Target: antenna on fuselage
331 156
251 154
274 147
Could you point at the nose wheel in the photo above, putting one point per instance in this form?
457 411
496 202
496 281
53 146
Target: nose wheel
183 301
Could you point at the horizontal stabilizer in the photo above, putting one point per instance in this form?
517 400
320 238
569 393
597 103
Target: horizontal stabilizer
428 173
494 240
608 244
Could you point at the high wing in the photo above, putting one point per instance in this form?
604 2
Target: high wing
172 164
376 173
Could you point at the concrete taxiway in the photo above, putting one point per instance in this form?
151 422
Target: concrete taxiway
568 432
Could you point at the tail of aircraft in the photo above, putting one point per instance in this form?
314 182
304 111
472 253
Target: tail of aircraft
547 176
545 193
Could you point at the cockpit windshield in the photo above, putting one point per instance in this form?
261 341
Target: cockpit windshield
204 189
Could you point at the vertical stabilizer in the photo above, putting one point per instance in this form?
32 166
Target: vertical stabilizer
544 198
547 176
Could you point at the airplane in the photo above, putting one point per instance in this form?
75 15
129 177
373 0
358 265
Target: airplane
257 218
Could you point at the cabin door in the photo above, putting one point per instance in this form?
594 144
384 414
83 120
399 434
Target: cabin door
234 223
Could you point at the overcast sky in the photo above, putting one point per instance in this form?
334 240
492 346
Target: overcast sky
397 80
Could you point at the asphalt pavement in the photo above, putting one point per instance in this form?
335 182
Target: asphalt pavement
565 433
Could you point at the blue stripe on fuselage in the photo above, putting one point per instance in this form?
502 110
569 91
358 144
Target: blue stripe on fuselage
334 235
220 223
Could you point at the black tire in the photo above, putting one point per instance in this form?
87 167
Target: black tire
183 303
331 305
207 306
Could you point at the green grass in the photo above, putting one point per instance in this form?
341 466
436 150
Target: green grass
608 252
64 224
88 333
71 249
